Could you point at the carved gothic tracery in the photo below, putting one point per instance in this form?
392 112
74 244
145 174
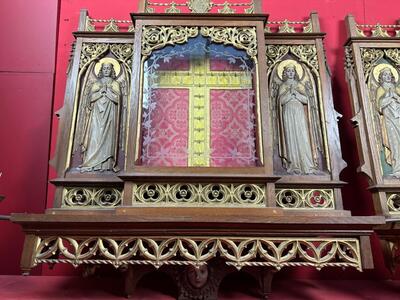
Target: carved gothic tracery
238 252
156 37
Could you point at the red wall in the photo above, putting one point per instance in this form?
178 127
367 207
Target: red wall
27 60
26 76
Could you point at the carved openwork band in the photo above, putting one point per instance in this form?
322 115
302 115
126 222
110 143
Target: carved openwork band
205 194
91 197
238 251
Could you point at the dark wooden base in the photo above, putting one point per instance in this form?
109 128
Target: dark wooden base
187 243
389 235
203 282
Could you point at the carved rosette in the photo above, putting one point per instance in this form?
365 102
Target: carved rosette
393 203
80 197
236 251
157 37
305 198
205 194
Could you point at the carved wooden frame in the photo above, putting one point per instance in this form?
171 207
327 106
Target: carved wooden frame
365 38
370 164
290 34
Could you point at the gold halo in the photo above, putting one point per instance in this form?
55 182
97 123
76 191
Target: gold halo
107 60
286 62
380 67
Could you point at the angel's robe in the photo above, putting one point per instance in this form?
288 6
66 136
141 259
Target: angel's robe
100 138
296 150
389 108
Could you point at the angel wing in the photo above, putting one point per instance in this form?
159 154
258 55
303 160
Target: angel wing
123 81
274 84
373 86
84 106
313 109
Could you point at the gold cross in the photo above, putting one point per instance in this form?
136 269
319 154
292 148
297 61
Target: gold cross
200 80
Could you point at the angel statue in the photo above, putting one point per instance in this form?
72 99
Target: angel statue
296 113
99 117
386 96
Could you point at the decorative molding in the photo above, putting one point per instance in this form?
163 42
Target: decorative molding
194 194
157 37
378 30
236 251
82 197
349 60
305 198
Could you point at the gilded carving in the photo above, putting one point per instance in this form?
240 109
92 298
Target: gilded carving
226 9
305 53
157 37
205 194
197 251
305 198
370 57
286 27
393 202
308 28
378 31
173 9
240 37
78 197
200 6
111 27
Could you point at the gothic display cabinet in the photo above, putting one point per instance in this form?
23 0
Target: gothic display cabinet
200 140
372 69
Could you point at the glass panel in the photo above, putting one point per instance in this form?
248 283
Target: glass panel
199 106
